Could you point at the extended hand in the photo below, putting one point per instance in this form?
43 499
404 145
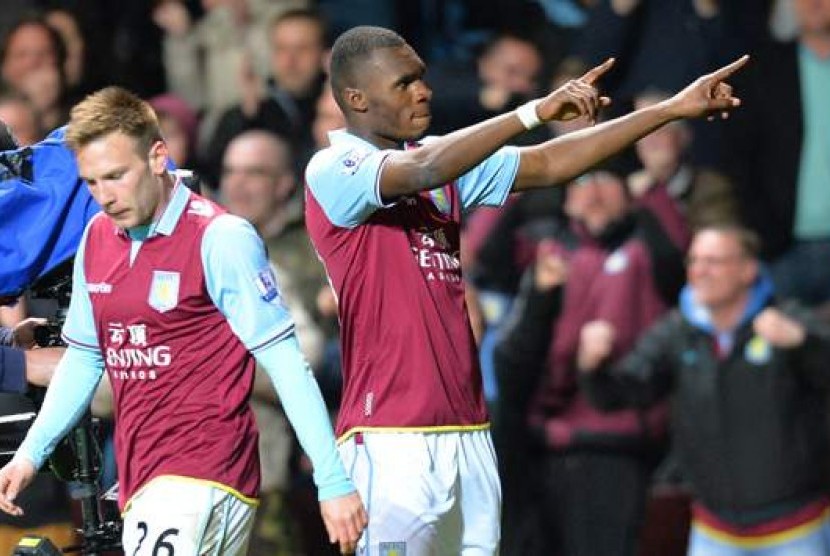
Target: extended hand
596 341
708 94
14 477
778 329
345 518
577 97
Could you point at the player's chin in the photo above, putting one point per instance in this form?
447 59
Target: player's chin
420 124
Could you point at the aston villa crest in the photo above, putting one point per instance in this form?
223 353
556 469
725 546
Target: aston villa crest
164 290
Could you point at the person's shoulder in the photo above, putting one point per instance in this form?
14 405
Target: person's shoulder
341 158
227 225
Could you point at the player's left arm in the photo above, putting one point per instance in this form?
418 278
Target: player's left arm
568 156
241 283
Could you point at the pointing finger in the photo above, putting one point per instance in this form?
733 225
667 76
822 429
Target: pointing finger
728 70
592 75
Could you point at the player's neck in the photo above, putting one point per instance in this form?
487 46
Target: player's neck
374 138
167 185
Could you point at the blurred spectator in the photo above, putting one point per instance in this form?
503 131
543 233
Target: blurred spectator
18 112
258 184
731 349
705 196
179 125
658 43
46 88
780 151
662 44
616 263
286 103
506 73
33 57
75 65
28 46
203 58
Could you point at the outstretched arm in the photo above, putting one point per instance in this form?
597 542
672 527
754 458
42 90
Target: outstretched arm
555 161
566 157
450 156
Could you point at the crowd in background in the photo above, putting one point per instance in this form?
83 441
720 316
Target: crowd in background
240 89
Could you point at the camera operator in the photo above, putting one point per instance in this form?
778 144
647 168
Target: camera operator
19 363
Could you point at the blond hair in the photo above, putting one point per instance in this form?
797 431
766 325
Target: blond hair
110 110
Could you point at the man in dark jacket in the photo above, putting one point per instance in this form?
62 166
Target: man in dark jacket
749 378
596 465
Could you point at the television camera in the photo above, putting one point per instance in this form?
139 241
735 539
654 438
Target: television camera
46 207
77 459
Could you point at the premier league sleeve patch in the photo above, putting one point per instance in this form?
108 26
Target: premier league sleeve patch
266 283
351 162
164 290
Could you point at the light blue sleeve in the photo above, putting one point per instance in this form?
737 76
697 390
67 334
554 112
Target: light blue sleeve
303 405
79 328
490 182
69 394
345 181
241 283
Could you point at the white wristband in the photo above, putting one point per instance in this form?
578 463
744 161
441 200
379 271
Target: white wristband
527 114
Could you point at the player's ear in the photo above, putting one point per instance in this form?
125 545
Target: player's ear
356 99
158 157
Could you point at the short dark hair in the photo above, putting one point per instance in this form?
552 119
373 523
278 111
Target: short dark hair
354 47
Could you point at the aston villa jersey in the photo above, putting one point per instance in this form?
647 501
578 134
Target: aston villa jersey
409 357
180 374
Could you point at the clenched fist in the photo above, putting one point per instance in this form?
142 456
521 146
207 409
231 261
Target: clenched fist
596 342
778 329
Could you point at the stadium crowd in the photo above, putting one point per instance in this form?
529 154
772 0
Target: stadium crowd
654 336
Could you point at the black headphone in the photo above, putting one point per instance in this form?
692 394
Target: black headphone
7 140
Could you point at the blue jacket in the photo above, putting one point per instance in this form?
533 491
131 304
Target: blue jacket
45 208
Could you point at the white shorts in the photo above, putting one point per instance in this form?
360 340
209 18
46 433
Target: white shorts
426 493
186 517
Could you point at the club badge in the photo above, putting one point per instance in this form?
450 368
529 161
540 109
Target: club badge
164 290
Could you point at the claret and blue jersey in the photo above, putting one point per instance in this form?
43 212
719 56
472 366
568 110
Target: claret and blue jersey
409 358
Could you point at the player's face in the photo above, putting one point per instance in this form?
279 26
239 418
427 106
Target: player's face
397 95
124 181
717 269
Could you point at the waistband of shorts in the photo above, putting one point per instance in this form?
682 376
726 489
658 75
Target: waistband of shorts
205 482
408 430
